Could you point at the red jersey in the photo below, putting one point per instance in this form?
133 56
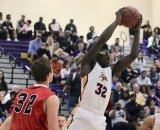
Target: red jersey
28 112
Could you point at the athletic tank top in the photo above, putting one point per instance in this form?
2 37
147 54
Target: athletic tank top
157 122
96 89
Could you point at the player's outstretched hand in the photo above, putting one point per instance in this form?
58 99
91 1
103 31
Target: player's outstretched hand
119 14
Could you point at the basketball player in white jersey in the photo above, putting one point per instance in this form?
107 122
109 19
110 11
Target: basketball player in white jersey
151 123
97 79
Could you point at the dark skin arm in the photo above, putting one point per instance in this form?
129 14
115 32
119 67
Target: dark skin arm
125 62
104 37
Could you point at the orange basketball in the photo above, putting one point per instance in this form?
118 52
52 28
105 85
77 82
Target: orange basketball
131 17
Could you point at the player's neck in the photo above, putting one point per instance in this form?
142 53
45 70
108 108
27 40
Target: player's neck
44 83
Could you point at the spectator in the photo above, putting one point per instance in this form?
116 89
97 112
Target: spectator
117 94
157 64
145 91
153 44
117 54
65 72
61 121
143 79
54 28
1 22
25 33
79 50
57 66
34 45
51 44
3 84
147 31
140 99
40 27
71 27
20 23
157 89
15 88
8 30
44 52
154 76
140 62
118 117
132 81
112 59
117 41
125 98
152 96
157 32
10 102
91 34
141 116
133 108
115 79
74 87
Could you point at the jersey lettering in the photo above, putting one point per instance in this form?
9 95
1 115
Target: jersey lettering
101 90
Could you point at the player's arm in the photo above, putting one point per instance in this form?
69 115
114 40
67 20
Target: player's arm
147 124
127 60
104 37
6 124
52 104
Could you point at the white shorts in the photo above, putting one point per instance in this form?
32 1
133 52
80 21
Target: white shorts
87 120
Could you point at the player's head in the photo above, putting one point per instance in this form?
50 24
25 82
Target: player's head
42 70
61 121
103 56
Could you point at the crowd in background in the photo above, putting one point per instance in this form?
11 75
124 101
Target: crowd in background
135 93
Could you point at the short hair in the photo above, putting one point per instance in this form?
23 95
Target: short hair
40 69
29 21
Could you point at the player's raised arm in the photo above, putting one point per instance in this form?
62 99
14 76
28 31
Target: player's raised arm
127 60
104 37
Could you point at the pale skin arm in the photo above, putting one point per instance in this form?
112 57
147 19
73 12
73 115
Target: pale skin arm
52 104
6 124
147 124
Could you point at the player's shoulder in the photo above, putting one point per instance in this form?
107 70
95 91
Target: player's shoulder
149 121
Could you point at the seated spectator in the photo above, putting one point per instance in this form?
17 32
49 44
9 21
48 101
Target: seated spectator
7 97
112 59
117 94
20 23
157 64
79 50
140 62
140 99
125 98
74 88
63 41
61 121
55 28
133 108
34 45
154 76
3 84
153 44
44 51
25 33
57 66
65 72
117 54
143 79
151 108
152 96
157 32
56 46
91 34
141 116
51 44
71 27
145 91
147 31
40 27
115 79
117 41
10 102
157 89
118 118
8 30
132 81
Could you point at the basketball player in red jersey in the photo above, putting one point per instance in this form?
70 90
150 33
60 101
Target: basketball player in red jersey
96 76
36 107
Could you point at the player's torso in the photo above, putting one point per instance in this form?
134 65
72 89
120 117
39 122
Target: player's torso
28 110
157 122
97 89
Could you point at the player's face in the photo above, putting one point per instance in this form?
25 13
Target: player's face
103 58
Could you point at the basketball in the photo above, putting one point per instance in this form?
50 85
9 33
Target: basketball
131 17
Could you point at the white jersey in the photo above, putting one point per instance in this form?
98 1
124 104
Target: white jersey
157 122
97 90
